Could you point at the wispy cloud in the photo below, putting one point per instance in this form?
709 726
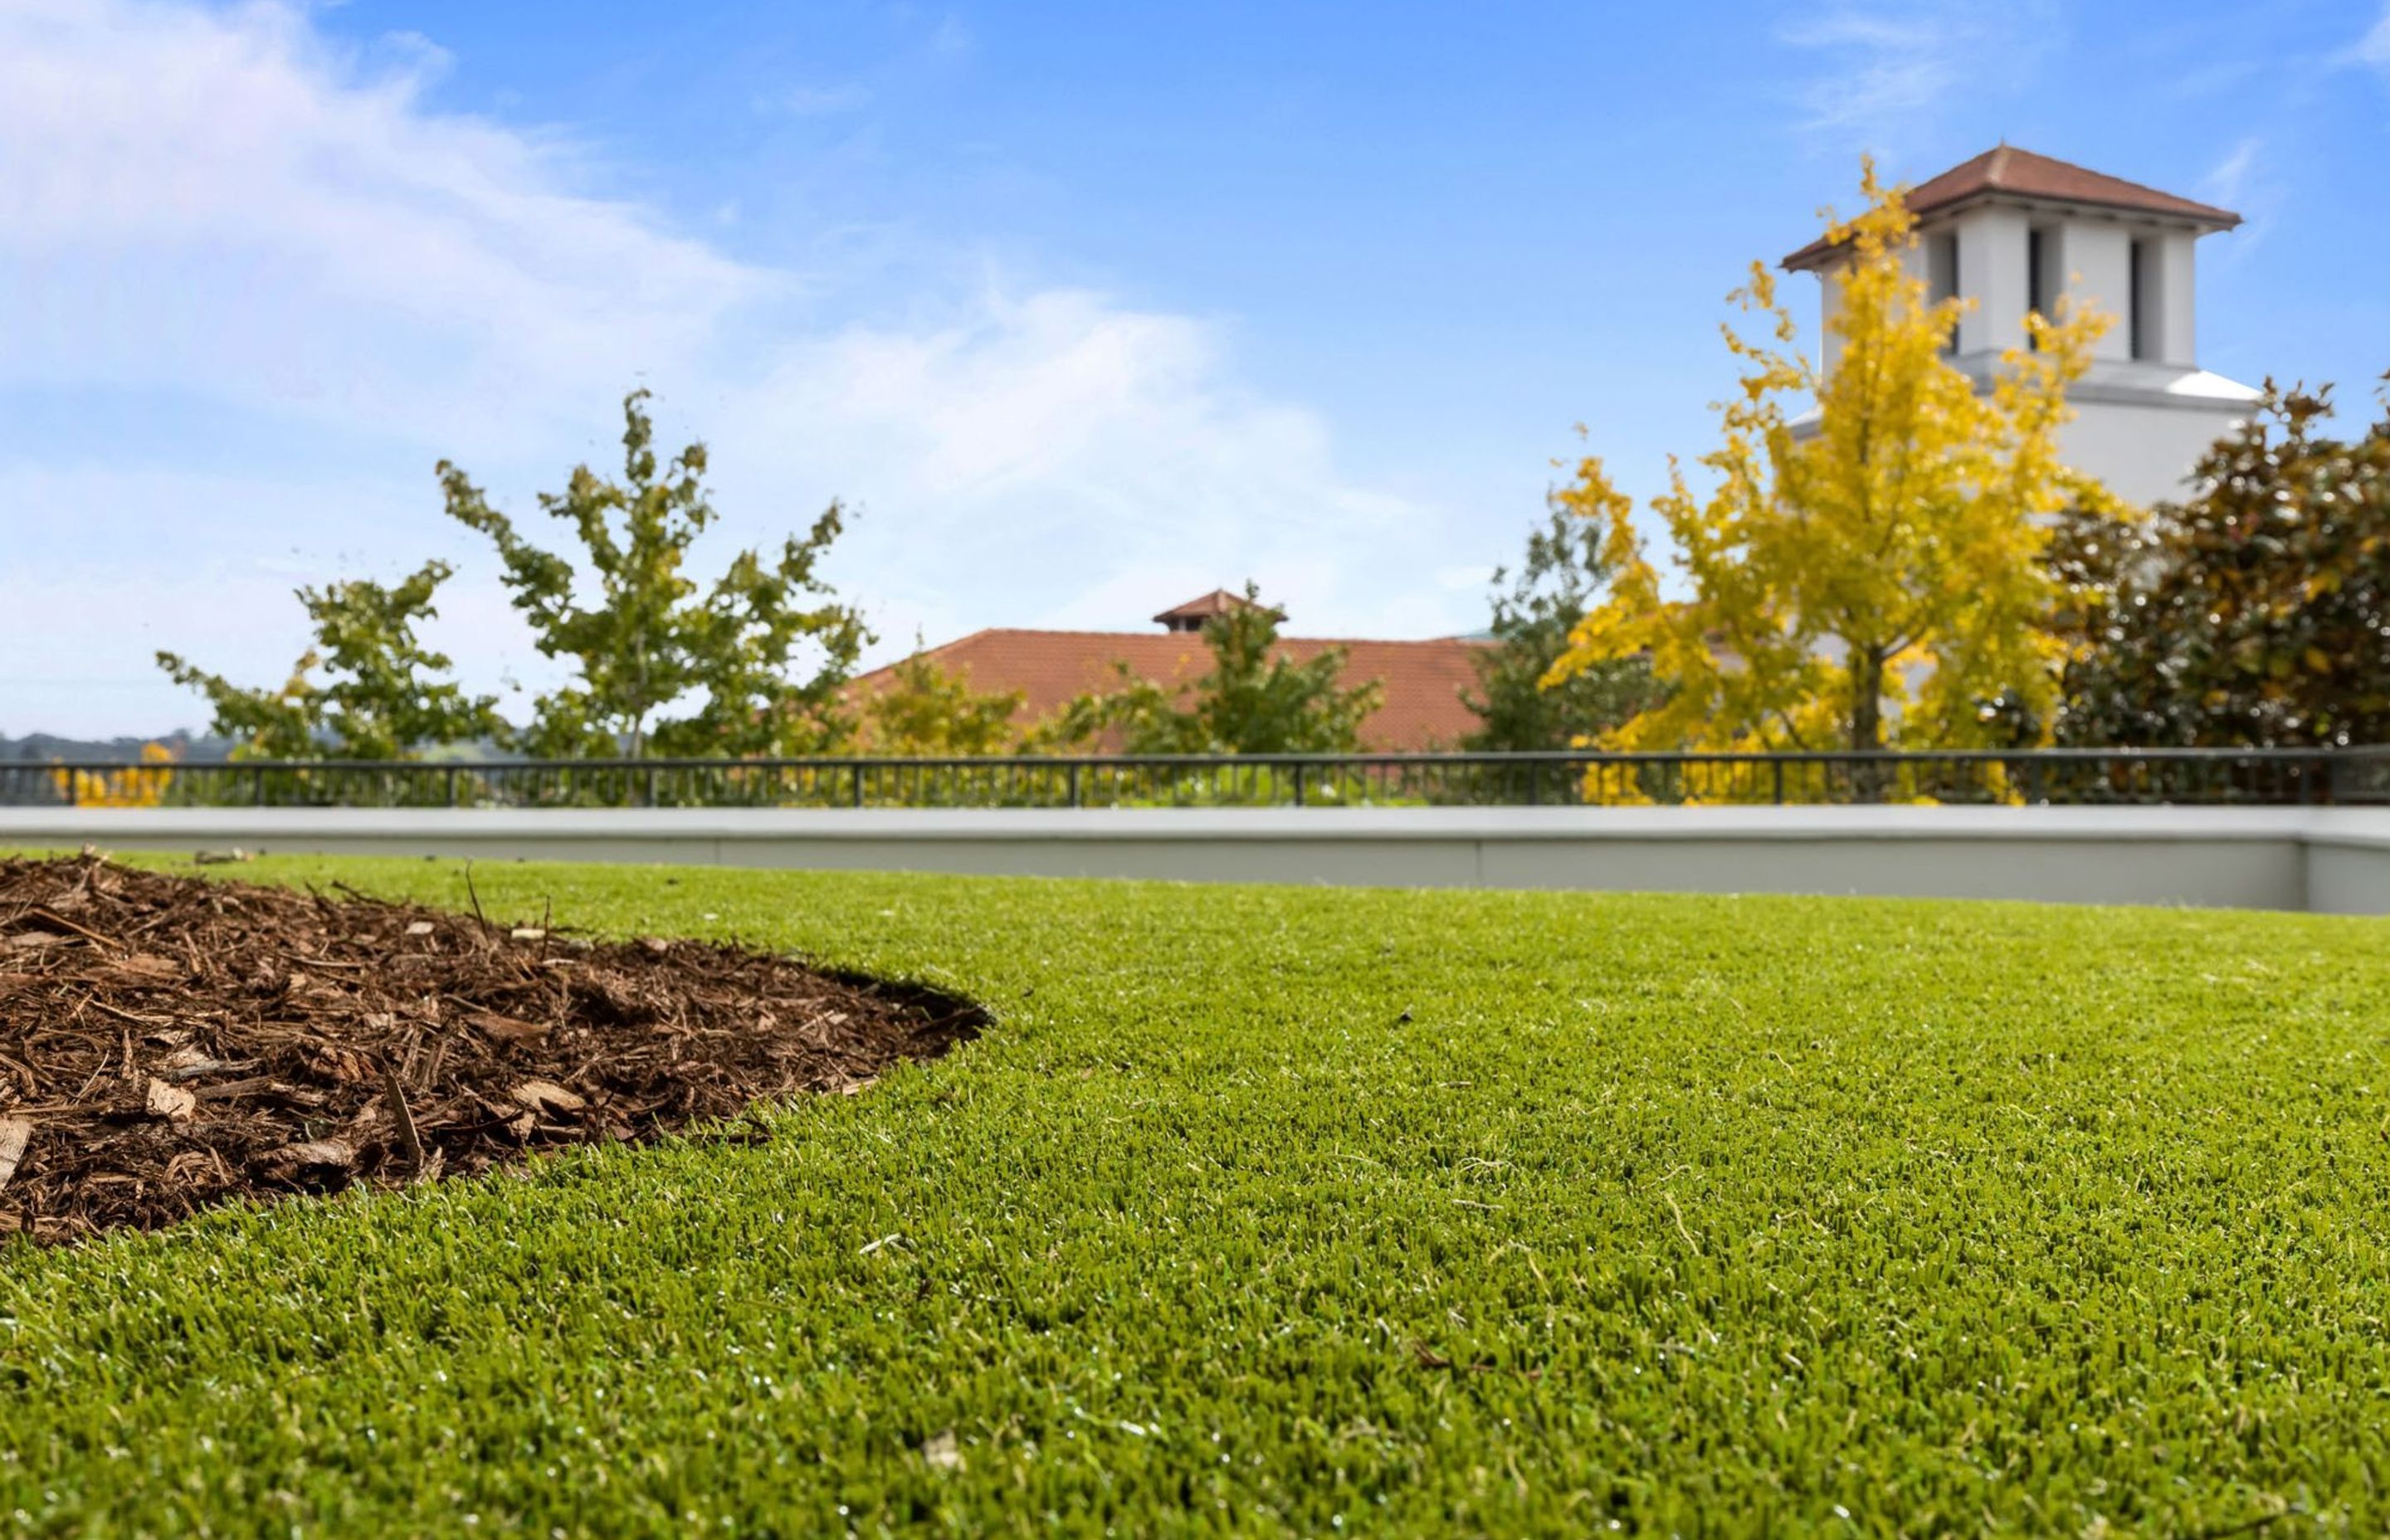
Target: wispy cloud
2374 46
2228 182
820 101
950 38
1889 72
2240 181
291 284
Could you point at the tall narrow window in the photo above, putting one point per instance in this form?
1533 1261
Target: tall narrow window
2141 324
1941 278
2036 277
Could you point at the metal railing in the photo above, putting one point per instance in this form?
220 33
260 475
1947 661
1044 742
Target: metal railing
2059 776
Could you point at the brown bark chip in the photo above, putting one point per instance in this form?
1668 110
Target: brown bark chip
168 1043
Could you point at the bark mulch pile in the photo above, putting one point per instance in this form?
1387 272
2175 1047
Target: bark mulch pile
168 1043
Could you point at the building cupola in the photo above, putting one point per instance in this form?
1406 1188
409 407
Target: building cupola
2013 232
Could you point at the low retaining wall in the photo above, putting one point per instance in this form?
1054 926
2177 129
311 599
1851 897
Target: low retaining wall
2334 860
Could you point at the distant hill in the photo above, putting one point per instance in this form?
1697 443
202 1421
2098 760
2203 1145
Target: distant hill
191 749
41 748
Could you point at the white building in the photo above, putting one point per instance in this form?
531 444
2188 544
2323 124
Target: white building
2011 231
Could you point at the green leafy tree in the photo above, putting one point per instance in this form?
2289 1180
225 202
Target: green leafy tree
930 711
2256 614
663 665
1535 610
1256 699
367 690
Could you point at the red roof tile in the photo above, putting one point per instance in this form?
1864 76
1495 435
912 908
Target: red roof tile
2020 174
1421 709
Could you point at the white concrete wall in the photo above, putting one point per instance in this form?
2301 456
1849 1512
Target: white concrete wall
2274 858
2348 863
2143 452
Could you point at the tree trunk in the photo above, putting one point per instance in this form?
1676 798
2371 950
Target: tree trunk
1866 720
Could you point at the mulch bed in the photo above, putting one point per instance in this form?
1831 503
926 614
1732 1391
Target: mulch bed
169 1044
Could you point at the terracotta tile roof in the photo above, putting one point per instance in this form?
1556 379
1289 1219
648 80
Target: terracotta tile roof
2012 173
1422 707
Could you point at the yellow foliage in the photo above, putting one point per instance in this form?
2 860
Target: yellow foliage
1868 584
141 785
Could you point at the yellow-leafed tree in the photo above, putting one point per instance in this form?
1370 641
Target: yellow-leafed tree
140 786
1877 582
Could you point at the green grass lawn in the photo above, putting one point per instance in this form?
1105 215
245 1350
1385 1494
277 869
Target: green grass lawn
1332 1211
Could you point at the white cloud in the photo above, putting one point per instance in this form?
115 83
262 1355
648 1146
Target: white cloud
1892 71
313 283
2374 46
1058 460
223 203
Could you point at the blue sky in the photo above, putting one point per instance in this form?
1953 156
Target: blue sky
1088 308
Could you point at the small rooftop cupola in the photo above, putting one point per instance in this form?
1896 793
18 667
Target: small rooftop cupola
2013 231
1191 615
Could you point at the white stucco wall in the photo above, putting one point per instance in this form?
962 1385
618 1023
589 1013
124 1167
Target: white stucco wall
1992 272
2094 264
2174 272
2144 453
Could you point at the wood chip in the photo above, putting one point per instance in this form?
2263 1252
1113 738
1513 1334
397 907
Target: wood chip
546 1095
169 1101
199 1065
226 1090
14 1134
527 932
421 928
324 1153
506 1029
394 1100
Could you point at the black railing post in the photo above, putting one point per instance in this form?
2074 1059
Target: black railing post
452 785
859 783
1298 786
1075 783
257 786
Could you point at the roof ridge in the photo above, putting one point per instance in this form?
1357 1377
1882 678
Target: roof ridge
2014 171
1194 638
2122 181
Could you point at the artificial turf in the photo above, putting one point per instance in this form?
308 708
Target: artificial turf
1332 1211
